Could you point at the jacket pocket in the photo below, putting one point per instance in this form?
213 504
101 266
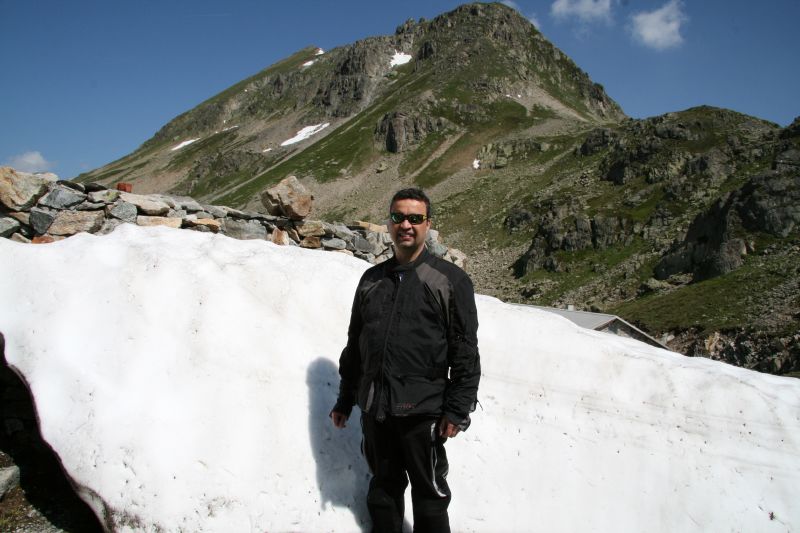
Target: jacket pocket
416 395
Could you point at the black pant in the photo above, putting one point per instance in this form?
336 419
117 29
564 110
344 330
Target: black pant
411 446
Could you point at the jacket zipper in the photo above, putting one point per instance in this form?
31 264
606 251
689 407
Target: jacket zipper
381 416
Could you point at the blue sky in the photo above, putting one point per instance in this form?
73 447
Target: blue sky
85 82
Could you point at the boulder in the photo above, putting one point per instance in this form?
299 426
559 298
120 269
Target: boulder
21 217
19 191
146 205
369 226
124 211
40 219
310 228
281 237
457 257
8 226
334 243
189 204
288 198
311 242
109 225
243 229
143 220
90 206
208 223
19 237
62 198
213 211
437 249
362 244
94 187
106 196
71 222
343 232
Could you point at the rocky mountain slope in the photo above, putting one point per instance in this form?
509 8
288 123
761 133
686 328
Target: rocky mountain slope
684 223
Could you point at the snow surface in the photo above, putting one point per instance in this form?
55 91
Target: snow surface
320 51
476 164
184 143
185 379
399 58
308 63
305 133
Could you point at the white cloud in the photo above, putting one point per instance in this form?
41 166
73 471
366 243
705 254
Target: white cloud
30 162
660 29
584 10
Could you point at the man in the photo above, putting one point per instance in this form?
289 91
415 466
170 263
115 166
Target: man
412 365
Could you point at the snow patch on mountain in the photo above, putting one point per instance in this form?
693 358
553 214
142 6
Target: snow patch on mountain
305 133
183 144
399 58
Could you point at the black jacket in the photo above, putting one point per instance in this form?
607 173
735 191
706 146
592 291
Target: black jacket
412 344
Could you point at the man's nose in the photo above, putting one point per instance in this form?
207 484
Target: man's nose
406 224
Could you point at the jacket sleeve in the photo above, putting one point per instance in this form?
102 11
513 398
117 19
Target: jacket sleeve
350 360
462 354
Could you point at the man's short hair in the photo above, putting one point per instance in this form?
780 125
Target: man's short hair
412 193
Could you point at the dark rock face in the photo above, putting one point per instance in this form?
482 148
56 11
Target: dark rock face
597 140
792 130
398 131
715 242
762 351
565 228
771 203
500 154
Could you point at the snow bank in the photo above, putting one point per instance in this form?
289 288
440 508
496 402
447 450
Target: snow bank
305 133
185 380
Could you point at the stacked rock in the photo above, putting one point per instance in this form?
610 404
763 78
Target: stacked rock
40 209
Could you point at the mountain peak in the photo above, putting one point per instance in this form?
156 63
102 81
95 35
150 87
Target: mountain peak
477 73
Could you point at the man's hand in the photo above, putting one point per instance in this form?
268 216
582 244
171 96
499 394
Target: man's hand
448 429
339 420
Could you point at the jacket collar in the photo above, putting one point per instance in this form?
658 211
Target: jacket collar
393 266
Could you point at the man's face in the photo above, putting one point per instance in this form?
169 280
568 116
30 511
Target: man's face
409 238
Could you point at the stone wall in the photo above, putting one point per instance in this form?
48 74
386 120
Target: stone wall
40 209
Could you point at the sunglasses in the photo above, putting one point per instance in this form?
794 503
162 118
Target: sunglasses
413 218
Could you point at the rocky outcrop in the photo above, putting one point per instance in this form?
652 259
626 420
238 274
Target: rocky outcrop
61 209
720 237
745 347
565 228
398 131
500 154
